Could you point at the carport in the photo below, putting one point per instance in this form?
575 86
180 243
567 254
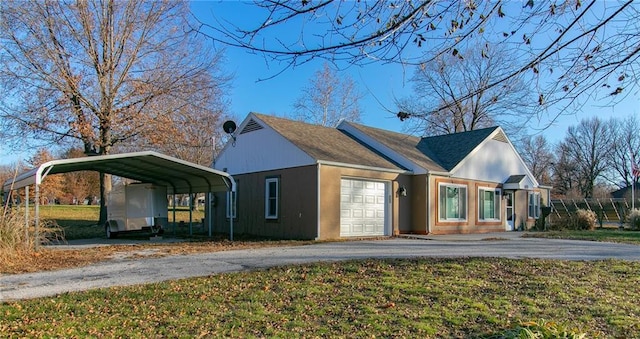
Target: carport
179 176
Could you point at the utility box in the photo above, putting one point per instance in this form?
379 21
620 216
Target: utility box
136 207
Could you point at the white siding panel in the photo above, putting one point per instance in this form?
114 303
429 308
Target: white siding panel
273 151
495 161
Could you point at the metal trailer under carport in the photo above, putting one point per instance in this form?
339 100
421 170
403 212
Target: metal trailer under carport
179 176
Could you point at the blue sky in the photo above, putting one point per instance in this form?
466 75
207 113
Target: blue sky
277 94
381 83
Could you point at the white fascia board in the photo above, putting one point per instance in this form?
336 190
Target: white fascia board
444 174
380 147
362 167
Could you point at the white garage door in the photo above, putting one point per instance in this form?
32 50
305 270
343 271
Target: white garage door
362 208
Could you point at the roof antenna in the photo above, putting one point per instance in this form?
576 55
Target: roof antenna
229 127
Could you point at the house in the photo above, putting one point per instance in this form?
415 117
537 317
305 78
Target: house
626 192
301 181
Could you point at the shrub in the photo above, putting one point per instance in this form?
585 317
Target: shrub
579 220
633 219
585 220
12 233
15 240
559 223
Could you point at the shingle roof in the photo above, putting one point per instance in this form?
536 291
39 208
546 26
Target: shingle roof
448 150
327 144
438 153
515 179
403 144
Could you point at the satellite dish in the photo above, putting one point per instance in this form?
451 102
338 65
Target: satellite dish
229 126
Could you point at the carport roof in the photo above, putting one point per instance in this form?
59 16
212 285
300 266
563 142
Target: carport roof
177 175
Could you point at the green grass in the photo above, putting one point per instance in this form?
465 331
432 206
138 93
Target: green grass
429 298
81 221
606 234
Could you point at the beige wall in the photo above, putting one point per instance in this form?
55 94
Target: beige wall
472 224
521 207
299 219
330 200
418 195
297 216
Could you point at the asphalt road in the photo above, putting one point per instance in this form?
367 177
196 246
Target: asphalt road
127 271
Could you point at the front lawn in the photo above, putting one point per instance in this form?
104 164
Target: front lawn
427 298
81 221
604 234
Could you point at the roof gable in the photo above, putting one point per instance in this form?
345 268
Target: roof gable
327 144
483 154
434 154
450 149
490 156
402 148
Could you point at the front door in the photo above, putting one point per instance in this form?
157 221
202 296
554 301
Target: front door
510 216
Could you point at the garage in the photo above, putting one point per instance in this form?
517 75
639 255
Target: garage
363 208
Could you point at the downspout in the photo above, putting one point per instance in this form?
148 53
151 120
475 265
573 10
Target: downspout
428 202
233 195
318 203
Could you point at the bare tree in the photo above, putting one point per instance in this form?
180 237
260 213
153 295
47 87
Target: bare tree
192 132
625 145
569 49
328 99
536 153
587 147
441 99
565 174
99 72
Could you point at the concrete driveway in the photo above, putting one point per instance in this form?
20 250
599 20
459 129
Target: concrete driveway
123 272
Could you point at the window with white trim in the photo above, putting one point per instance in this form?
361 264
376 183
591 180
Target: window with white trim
272 197
489 204
453 202
534 205
232 204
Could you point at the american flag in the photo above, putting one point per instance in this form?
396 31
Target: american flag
635 169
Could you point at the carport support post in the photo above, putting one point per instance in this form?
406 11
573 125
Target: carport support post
37 217
173 207
207 212
190 213
26 213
